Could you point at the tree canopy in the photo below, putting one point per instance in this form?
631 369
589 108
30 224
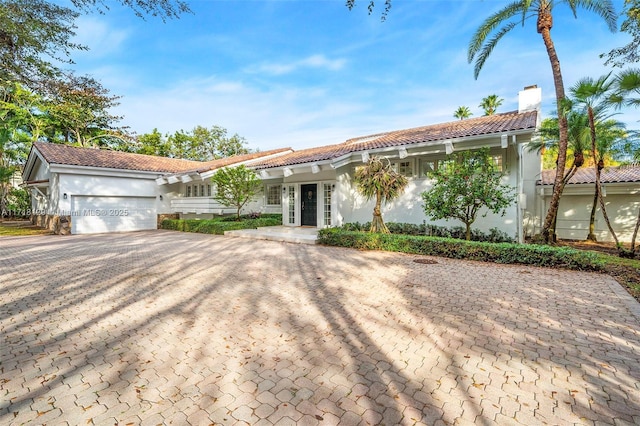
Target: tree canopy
628 53
235 186
199 144
466 185
377 180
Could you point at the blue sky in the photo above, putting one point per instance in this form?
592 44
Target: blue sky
309 73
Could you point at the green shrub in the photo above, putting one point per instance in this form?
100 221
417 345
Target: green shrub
218 226
494 235
528 254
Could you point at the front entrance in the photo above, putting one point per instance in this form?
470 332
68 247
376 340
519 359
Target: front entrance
309 204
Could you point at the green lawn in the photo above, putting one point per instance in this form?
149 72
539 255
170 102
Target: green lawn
20 229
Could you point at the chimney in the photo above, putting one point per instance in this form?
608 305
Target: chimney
530 99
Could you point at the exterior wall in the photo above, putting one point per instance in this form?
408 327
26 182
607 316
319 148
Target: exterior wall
622 201
352 207
78 184
56 210
531 167
206 207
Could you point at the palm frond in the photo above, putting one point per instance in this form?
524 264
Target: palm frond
488 48
603 8
489 25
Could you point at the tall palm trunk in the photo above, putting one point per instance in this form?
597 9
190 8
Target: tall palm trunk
545 22
635 234
377 224
592 217
594 206
592 128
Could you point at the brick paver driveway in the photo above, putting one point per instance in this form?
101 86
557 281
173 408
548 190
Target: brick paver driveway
174 328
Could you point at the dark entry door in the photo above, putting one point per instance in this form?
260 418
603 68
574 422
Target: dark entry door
309 199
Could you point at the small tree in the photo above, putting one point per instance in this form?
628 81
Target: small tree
235 186
463 112
490 104
378 180
464 186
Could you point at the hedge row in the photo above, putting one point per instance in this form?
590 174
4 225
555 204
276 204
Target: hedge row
528 254
218 226
493 236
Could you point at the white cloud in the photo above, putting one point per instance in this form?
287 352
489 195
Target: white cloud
102 39
313 62
272 118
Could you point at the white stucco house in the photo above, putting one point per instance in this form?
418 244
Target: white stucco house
81 190
91 189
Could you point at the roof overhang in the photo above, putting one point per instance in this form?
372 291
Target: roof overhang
198 175
610 188
443 146
43 183
102 171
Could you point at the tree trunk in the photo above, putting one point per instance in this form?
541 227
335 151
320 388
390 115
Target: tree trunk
545 22
592 217
377 224
635 234
592 128
468 235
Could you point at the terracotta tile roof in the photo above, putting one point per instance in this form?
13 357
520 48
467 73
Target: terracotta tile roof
497 123
223 162
588 175
90 157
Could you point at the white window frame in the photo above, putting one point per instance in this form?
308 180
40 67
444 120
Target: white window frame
395 165
269 187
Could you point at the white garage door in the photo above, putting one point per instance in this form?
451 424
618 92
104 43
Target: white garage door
94 214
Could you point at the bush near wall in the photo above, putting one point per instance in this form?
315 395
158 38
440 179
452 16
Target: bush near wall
493 236
219 225
528 254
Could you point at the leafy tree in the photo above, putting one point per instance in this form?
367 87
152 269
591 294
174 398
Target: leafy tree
34 35
159 8
465 186
462 113
502 22
181 145
153 143
199 144
490 104
18 202
376 179
628 53
212 143
235 186
80 106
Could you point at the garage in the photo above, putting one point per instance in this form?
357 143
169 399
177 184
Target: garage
97 214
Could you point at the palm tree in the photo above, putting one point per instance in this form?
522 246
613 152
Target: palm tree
548 138
490 104
627 85
378 180
596 98
503 21
463 112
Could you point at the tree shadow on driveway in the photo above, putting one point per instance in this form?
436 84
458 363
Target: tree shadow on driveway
164 327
